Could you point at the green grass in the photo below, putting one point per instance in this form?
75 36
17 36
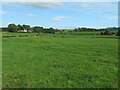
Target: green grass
56 62
74 34
67 35
92 32
12 34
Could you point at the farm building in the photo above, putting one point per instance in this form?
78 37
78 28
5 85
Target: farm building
24 30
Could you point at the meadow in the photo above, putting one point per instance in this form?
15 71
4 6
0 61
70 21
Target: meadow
60 61
11 34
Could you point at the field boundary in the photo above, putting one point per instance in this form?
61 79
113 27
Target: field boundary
107 37
53 36
21 36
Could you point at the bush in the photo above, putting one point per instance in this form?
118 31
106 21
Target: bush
106 33
102 33
118 33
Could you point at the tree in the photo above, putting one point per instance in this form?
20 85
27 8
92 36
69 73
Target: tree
52 30
27 27
4 29
106 32
12 28
75 30
37 29
118 33
49 30
102 33
19 27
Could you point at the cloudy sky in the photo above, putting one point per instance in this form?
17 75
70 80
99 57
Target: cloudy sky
61 14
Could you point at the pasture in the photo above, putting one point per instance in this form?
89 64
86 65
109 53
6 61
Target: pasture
67 61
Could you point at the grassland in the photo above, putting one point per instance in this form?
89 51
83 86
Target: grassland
12 34
58 62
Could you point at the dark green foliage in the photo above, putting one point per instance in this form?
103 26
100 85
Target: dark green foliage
102 33
56 30
19 27
4 29
107 32
12 28
84 29
118 33
27 27
37 29
49 30
112 33
52 30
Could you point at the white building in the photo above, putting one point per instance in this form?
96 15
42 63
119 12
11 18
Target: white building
24 30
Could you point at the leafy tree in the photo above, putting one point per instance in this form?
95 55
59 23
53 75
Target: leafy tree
27 27
49 30
3 29
12 28
37 29
52 30
19 27
56 30
106 32
75 30
102 33
118 33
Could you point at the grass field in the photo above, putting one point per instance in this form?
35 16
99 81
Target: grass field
57 33
95 32
10 34
56 62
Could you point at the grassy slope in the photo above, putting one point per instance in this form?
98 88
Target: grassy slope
59 62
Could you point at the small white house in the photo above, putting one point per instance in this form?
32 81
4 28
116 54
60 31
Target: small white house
24 30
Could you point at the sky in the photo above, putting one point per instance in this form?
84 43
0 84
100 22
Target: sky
67 15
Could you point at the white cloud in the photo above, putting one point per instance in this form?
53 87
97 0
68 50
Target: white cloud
31 15
44 4
86 6
2 12
60 18
10 23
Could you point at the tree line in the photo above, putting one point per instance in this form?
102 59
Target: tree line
105 31
37 29
27 28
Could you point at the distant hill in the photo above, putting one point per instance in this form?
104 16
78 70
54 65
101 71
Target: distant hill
113 28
